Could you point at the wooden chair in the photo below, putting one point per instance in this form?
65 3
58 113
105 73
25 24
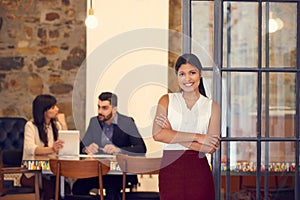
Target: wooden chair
11 150
138 165
79 169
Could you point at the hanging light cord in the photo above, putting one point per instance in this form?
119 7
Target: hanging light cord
91 20
91 10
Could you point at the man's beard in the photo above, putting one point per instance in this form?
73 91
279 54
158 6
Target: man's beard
105 118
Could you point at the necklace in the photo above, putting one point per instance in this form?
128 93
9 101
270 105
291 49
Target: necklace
47 126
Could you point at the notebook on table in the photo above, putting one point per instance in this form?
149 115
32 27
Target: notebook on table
71 140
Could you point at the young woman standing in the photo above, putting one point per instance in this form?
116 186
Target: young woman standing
188 123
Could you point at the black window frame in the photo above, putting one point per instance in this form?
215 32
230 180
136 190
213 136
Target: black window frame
217 91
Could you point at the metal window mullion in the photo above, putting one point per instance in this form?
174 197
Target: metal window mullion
228 86
267 99
258 140
217 83
261 70
297 145
254 139
297 181
259 101
186 26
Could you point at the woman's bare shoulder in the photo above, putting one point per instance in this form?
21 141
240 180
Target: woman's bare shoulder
164 100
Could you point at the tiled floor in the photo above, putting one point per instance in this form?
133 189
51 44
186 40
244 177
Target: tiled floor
147 183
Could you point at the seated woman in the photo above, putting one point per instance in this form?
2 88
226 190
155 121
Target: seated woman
41 138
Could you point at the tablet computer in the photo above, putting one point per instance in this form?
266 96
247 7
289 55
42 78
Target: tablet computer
71 140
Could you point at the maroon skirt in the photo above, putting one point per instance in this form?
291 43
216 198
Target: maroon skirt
185 176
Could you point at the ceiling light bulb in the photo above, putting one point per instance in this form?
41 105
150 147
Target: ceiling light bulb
273 26
91 21
279 23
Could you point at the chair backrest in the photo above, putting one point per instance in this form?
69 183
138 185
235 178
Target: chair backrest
11 152
139 164
11 140
79 169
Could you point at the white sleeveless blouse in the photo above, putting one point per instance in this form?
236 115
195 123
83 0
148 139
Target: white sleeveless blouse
183 119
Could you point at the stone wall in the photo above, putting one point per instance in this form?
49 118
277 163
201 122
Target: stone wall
42 46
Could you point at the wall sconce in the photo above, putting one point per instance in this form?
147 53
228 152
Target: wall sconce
91 20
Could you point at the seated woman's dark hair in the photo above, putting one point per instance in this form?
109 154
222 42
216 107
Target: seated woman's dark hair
40 105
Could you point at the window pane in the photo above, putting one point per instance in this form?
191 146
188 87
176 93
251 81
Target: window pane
240 34
279 156
240 171
272 186
203 31
241 156
241 93
282 34
279 99
279 159
238 167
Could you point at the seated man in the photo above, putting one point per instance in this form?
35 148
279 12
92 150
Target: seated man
111 133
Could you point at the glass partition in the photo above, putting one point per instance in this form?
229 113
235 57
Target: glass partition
260 93
240 34
280 39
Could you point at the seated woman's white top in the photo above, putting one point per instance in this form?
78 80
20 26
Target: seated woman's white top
32 138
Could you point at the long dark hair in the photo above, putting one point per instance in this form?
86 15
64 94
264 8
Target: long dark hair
40 105
193 60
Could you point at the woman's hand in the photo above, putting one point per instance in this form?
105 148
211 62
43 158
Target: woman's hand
57 145
162 121
210 142
62 121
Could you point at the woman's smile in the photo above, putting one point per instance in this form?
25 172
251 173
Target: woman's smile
188 84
